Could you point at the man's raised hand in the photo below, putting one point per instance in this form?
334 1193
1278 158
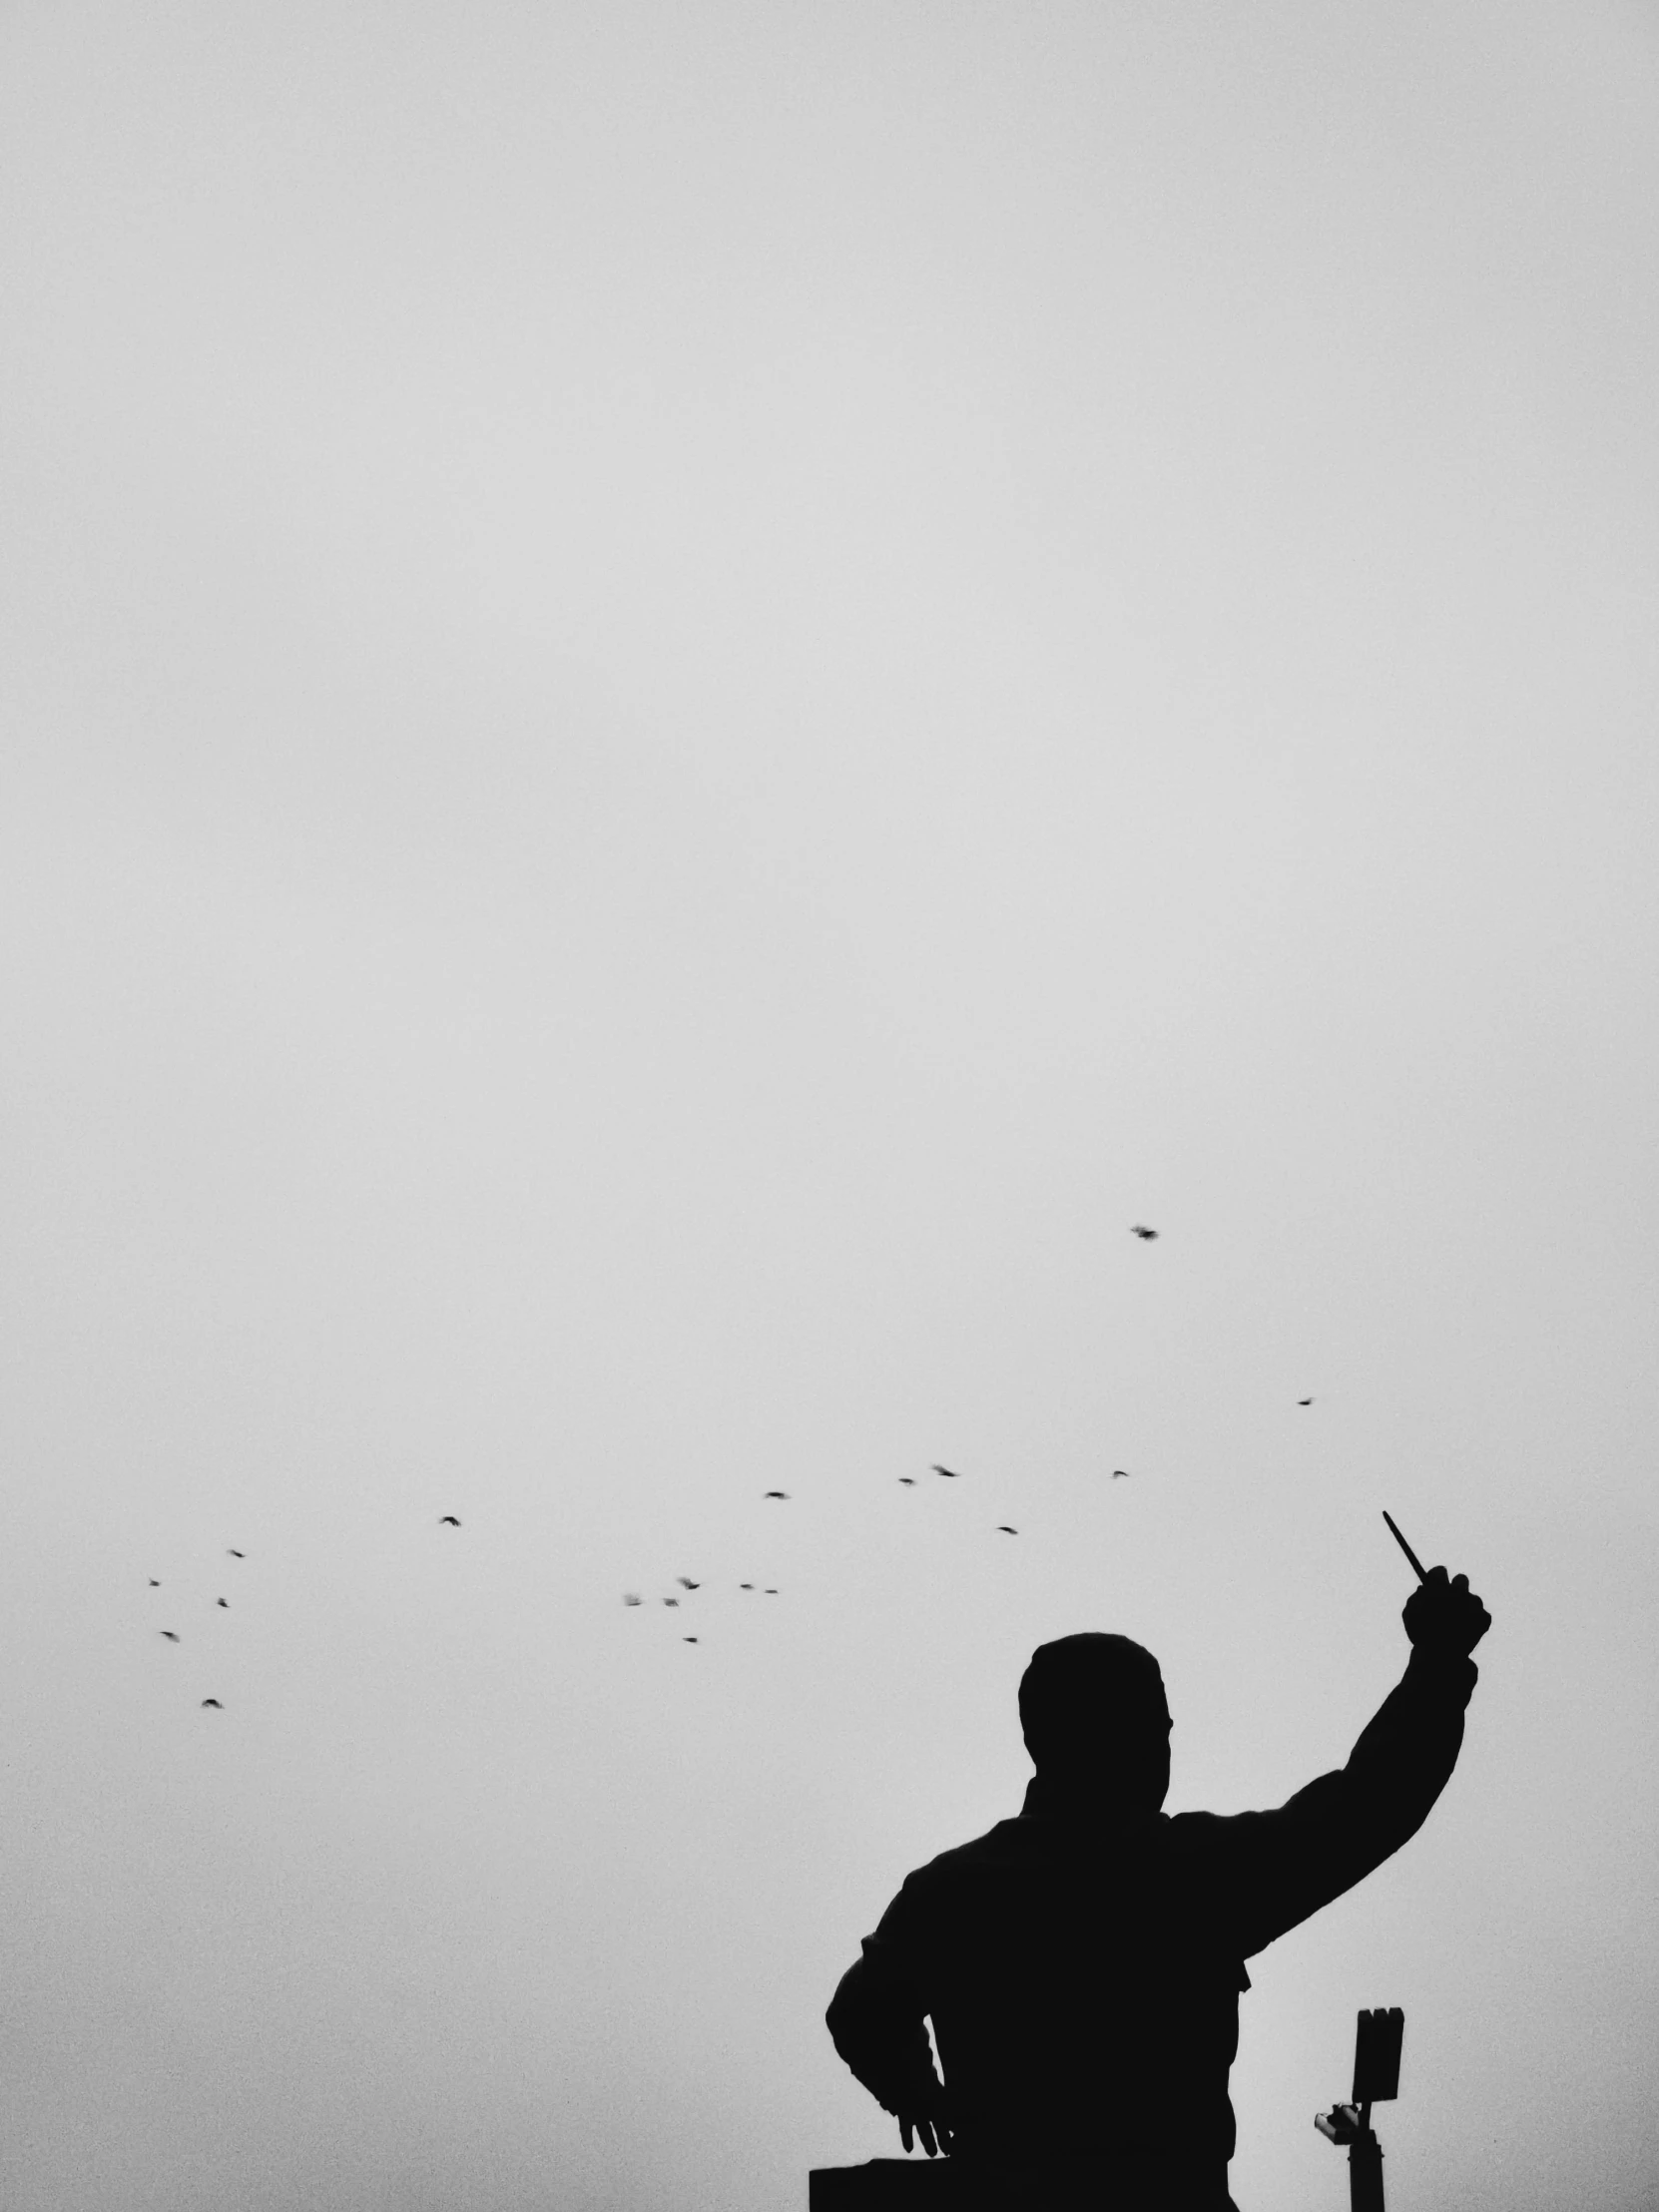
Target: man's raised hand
1444 1616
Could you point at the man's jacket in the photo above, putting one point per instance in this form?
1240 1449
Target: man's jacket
1083 1978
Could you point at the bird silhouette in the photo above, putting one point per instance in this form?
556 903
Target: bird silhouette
908 1480
153 1584
630 1599
1003 1529
449 1520
1304 1402
224 1601
685 1583
688 1639
776 1493
170 1635
213 1701
235 1554
950 1473
671 1601
1120 1474
746 1585
1147 1236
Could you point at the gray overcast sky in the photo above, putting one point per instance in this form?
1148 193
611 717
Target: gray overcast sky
690 695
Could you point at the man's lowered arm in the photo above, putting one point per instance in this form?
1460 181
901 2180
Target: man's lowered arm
1272 1869
878 2022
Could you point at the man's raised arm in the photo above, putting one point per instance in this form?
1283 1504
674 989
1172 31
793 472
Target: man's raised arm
1272 1869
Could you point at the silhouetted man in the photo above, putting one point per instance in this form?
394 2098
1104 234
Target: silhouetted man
1082 1963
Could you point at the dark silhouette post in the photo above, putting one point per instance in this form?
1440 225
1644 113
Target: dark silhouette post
1377 2044
1082 1963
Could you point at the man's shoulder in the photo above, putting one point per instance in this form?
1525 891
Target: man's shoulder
1189 1830
1189 1840
1196 1839
1009 1843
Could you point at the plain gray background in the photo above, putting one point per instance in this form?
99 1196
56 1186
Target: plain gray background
690 695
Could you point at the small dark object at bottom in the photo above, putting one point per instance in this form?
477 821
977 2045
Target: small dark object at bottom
879 2184
949 2185
1377 2045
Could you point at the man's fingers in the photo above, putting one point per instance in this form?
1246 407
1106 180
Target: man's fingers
934 2134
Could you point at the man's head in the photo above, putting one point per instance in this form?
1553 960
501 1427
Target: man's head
1096 1721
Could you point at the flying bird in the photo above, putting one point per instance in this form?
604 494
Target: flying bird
169 1634
1304 1402
688 1639
1120 1474
776 1493
746 1585
949 1473
226 1603
630 1599
153 1584
771 1592
1147 1236
908 1480
671 1601
685 1583
213 1701
235 1554
1005 1530
449 1520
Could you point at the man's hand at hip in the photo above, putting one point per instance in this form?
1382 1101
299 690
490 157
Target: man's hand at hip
933 2127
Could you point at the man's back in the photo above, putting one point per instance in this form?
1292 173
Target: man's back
1076 1973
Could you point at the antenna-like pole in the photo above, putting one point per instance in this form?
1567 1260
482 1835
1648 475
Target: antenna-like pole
1377 2047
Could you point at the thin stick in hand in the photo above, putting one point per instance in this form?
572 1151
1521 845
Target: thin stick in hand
1406 1548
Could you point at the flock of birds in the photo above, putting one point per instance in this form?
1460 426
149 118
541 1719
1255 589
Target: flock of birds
684 1581
950 1475
172 1634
